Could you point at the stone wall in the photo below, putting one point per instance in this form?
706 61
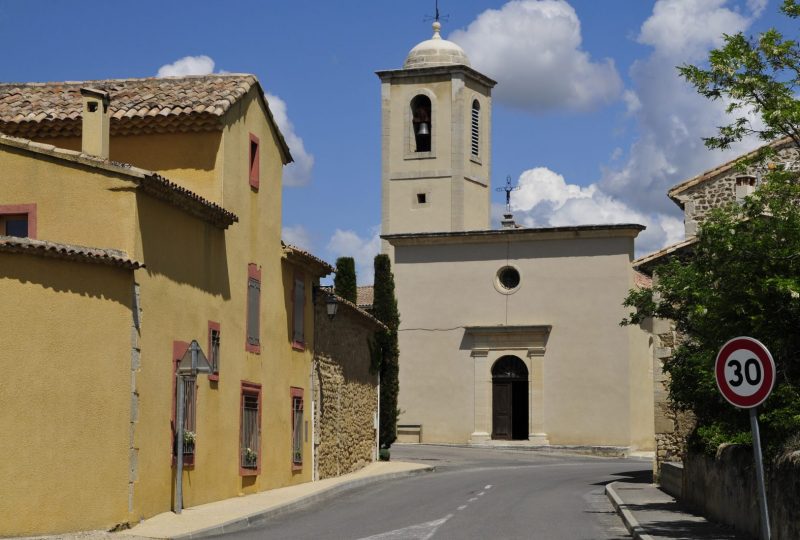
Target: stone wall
672 426
346 393
726 187
724 489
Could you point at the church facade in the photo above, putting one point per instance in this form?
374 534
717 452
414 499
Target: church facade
505 334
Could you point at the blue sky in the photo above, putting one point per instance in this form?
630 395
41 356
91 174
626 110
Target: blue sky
590 116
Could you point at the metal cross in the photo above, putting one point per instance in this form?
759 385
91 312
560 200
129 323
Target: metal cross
437 17
508 188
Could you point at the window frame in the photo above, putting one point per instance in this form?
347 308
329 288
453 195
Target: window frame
214 326
252 389
297 395
298 344
475 127
179 348
253 276
28 209
254 161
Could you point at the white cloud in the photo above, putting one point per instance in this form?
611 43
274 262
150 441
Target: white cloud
298 235
363 250
188 65
671 117
297 173
533 49
545 199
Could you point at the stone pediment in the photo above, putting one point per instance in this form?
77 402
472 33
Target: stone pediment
530 338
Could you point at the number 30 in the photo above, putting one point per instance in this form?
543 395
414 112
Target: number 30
750 365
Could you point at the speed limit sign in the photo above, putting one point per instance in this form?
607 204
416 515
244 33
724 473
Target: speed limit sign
745 372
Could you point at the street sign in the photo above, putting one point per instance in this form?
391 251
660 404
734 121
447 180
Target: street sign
745 372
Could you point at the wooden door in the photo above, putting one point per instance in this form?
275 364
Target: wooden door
501 410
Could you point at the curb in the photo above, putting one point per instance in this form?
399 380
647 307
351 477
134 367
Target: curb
261 517
631 523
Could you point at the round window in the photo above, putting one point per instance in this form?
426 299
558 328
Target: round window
508 278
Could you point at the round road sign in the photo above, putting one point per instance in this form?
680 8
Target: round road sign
745 372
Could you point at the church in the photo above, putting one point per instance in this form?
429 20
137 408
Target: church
507 334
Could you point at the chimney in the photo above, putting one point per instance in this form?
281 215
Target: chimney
96 120
508 221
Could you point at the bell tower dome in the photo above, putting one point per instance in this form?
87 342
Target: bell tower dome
436 141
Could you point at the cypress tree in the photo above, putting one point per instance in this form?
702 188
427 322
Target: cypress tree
385 310
344 284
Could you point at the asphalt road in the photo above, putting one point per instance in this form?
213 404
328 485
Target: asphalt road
473 494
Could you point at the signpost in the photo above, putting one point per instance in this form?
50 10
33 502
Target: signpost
745 373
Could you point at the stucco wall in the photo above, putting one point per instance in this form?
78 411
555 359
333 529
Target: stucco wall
65 395
346 393
596 378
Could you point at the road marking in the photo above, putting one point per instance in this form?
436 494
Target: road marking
473 499
462 506
481 494
421 531
488 486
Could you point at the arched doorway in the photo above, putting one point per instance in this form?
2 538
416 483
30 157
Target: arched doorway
509 399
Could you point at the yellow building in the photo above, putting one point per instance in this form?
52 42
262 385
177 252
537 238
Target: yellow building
135 217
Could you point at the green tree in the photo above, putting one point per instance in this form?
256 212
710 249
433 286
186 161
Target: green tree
385 310
344 284
743 275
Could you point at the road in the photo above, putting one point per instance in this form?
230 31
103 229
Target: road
473 494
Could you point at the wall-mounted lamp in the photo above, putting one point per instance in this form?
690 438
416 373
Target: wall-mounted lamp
331 305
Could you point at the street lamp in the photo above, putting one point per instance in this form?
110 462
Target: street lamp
331 305
192 362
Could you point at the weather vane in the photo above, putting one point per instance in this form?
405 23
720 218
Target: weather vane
437 17
508 188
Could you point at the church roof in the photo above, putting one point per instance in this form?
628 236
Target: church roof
436 52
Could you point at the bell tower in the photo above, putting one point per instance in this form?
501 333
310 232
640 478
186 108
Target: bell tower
436 142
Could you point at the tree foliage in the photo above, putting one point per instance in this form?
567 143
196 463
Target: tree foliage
758 78
385 310
344 284
742 279
743 275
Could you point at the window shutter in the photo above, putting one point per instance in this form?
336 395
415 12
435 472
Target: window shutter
253 310
476 115
299 311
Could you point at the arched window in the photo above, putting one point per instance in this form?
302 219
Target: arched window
421 123
476 124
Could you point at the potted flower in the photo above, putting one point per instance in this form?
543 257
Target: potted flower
250 456
189 437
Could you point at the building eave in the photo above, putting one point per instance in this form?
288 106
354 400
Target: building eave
646 263
389 74
69 252
148 181
519 234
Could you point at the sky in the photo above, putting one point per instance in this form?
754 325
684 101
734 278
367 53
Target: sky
590 117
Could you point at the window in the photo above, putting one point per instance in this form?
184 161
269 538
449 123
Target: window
476 119
250 430
422 198
508 278
421 123
298 312
18 220
297 428
253 343
254 164
745 186
179 348
213 349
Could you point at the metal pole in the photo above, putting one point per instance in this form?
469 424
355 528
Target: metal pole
762 492
179 445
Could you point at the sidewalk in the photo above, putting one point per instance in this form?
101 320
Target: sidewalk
651 514
241 512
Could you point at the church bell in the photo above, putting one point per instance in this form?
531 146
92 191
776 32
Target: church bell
423 129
